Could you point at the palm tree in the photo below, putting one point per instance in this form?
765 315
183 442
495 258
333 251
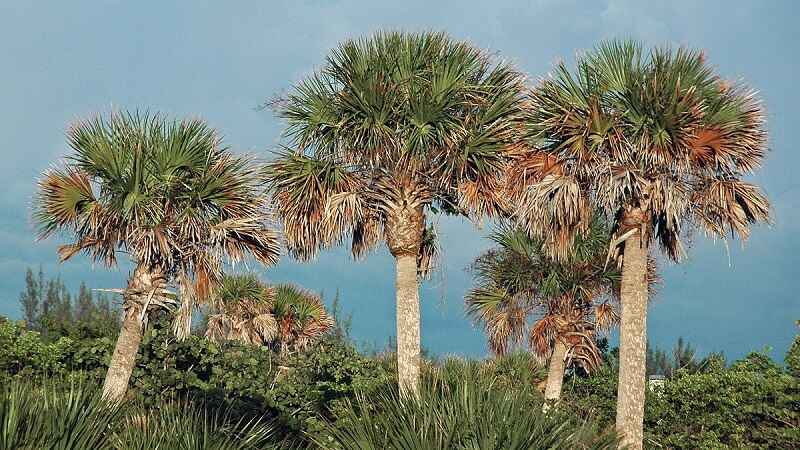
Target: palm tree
392 129
168 194
660 143
284 317
568 300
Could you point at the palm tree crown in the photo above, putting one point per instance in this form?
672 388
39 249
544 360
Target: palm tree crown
398 122
283 316
167 193
657 140
569 300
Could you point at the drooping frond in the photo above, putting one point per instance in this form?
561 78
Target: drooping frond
318 200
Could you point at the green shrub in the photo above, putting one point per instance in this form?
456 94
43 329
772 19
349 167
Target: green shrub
753 404
24 353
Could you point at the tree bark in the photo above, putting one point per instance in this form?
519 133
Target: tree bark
404 228
632 344
408 323
555 375
130 337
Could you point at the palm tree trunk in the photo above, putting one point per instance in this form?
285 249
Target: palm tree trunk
130 337
632 344
555 375
408 323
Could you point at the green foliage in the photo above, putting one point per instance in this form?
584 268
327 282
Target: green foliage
75 417
24 353
458 408
186 426
330 393
752 404
35 418
683 358
793 357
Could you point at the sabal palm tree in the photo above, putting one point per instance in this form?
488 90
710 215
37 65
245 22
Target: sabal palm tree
394 128
168 194
522 294
284 317
660 143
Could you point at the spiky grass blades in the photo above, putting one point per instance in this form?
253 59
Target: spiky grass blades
52 417
186 426
457 408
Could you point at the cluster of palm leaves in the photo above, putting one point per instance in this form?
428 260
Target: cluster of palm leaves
459 407
568 300
170 195
284 317
77 417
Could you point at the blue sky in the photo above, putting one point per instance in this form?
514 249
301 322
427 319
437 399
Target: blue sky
63 61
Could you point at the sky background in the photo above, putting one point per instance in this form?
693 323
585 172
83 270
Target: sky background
63 61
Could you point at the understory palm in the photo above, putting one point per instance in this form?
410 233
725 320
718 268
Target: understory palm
168 194
394 128
284 316
660 143
522 294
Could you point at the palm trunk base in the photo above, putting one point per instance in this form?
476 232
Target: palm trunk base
408 327
632 345
555 375
123 359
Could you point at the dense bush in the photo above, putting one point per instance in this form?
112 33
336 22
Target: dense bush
752 404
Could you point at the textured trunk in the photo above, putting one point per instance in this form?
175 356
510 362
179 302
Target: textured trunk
130 337
632 344
404 228
408 323
555 374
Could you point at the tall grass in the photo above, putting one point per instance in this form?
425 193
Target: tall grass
459 407
75 417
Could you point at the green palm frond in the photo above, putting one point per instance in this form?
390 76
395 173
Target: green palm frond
395 120
656 131
522 293
166 192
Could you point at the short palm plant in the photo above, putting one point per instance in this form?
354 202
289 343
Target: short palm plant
523 294
168 194
284 317
394 128
660 143
458 407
